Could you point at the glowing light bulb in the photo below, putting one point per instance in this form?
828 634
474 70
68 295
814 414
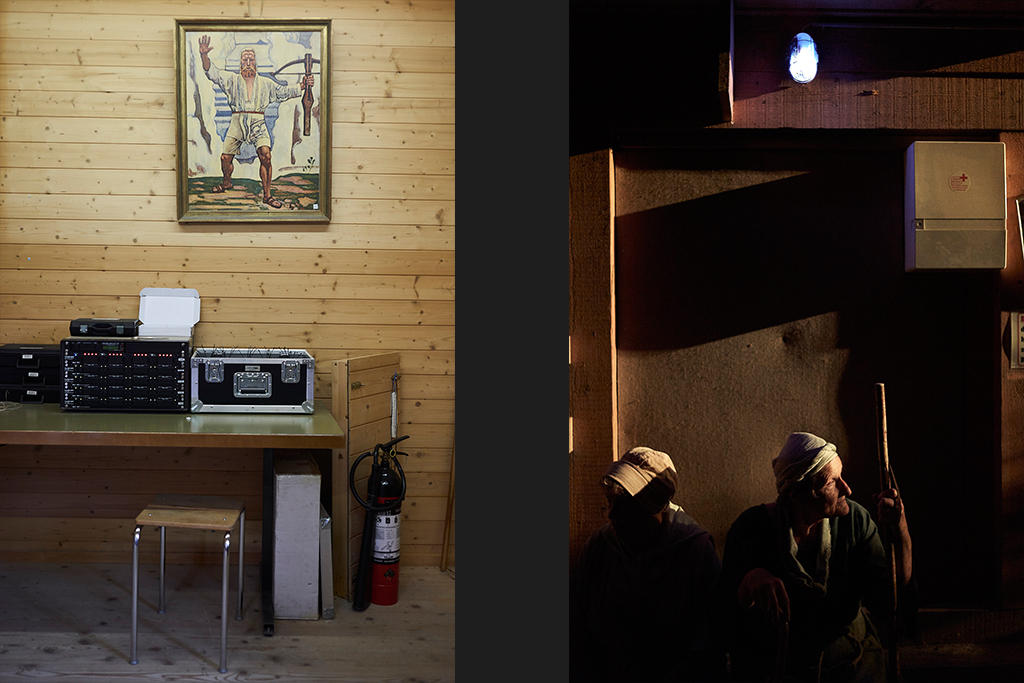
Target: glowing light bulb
803 58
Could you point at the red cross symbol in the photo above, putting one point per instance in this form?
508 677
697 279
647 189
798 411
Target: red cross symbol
963 178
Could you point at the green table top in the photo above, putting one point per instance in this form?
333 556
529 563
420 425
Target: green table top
47 424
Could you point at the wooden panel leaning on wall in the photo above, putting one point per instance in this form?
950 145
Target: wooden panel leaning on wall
361 402
87 129
362 405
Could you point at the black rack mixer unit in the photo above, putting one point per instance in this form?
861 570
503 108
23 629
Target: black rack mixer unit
120 374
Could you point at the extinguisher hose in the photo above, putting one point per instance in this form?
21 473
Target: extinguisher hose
373 506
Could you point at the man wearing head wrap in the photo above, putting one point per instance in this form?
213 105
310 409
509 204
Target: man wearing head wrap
804 577
643 589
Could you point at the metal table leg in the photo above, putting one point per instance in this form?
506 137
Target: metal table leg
241 562
163 571
132 649
224 607
267 554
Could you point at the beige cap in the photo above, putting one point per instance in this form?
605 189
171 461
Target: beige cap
639 467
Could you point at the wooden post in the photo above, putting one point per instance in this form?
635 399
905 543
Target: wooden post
360 401
446 543
592 402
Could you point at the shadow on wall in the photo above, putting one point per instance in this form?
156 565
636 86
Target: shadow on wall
638 65
751 258
693 273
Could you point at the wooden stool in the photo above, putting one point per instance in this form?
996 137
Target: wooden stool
191 512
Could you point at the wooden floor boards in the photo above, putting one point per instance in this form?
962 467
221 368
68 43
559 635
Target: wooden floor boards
72 623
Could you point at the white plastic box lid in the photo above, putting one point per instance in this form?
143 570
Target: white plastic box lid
167 311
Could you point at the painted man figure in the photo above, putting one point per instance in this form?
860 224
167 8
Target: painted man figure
248 95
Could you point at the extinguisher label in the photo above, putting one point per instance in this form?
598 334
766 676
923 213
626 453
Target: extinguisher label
387 537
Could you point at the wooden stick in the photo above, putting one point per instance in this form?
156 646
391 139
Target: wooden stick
448 516
883 437
885 483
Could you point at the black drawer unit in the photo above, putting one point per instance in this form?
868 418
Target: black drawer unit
30 373
125 374
30 394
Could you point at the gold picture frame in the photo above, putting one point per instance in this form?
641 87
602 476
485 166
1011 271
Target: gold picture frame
253 136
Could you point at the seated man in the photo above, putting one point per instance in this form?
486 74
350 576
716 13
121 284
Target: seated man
644 587
798 573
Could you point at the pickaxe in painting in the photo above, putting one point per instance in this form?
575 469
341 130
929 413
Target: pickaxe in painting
307 95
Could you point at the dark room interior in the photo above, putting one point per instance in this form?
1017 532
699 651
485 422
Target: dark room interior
738 270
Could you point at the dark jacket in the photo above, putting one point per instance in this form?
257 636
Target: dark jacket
646 616
825 610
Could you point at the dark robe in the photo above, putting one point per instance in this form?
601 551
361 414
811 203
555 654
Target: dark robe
834 594
646 615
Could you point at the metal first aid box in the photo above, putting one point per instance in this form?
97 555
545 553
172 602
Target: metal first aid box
252 381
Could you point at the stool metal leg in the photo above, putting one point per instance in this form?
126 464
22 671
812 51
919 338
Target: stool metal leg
132 658
163 563
224 608
241 561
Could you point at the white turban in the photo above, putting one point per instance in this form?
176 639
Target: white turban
802 456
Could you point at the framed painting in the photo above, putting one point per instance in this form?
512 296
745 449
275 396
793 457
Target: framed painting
253 120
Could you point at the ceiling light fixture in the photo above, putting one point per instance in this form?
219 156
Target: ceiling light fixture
803 58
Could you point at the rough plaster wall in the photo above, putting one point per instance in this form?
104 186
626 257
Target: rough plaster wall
765 293
722 410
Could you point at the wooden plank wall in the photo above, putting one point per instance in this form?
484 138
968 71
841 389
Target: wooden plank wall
87 219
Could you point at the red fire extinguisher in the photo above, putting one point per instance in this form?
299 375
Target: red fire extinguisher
381 544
